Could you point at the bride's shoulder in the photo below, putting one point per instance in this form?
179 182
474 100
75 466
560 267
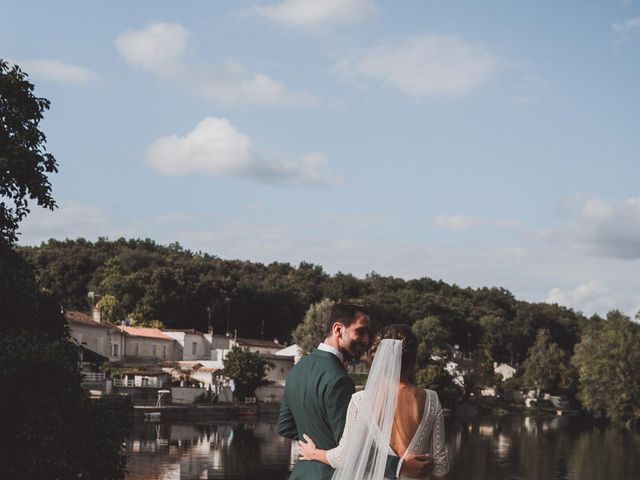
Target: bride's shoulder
431 393
356 397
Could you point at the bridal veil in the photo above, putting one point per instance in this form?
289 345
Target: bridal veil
366 452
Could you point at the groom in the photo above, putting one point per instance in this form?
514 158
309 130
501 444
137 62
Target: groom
318 391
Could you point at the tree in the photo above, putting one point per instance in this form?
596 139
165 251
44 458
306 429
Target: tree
432 338
311 331
54 430
608 361
247 370
110 309
547 367
24 163
477 372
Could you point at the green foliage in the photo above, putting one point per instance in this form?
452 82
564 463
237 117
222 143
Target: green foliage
608 362
477 372
24 163
433 355
432 337
180 288
136 321
311 331
435 377
52 429
547 366
110 309
247 370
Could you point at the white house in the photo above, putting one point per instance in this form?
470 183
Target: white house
87 332
219 347
150 343
507 371
277 375
259 346
291 351
194 344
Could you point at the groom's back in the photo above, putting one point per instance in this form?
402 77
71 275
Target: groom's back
315 402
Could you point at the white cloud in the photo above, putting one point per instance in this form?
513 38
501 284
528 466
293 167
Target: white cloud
627 32
233 83
424 65
594 297
162 50
313 13
160 47
630 25
610 230
216 147
56 71
455 222
70 220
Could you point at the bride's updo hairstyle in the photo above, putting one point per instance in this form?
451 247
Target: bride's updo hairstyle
409 345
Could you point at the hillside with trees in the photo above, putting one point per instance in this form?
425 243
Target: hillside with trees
557 350
184 289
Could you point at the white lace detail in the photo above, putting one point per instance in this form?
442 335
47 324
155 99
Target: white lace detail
429 438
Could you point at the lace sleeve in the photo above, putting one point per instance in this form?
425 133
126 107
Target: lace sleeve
334 456
438 443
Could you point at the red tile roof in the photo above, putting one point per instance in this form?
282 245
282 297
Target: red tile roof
83 319
146 332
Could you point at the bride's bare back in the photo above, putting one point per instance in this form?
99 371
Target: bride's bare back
409 412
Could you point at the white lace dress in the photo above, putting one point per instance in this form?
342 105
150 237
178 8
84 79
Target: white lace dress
429 437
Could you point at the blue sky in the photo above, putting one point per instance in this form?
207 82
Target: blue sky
484 143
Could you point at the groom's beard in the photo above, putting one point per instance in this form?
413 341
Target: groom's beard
354 351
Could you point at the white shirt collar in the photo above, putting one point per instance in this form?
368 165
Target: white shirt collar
328 348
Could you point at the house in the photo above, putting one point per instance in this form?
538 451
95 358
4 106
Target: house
279 368
91 334
259 346
97 335
194 344
219 348
291 351
506 370
149 343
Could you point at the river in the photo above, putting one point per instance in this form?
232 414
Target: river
501 448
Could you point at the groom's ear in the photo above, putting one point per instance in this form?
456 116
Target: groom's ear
337 329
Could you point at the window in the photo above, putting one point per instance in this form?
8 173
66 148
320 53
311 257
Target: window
164 351
194 348
136 349
154 350
115 350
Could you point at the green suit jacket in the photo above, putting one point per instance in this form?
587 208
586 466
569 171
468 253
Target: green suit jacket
316 397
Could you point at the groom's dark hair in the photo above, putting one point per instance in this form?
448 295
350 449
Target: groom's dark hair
345 313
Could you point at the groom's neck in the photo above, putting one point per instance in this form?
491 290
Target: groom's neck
332 341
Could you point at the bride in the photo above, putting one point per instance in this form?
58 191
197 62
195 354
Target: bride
391 416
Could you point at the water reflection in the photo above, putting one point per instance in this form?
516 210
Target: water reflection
555 448
188 451
506 448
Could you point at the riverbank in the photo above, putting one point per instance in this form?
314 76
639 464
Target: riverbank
228 411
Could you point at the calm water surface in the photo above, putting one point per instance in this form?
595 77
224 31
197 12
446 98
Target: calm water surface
507 448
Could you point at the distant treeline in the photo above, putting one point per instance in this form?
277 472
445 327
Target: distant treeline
184 289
